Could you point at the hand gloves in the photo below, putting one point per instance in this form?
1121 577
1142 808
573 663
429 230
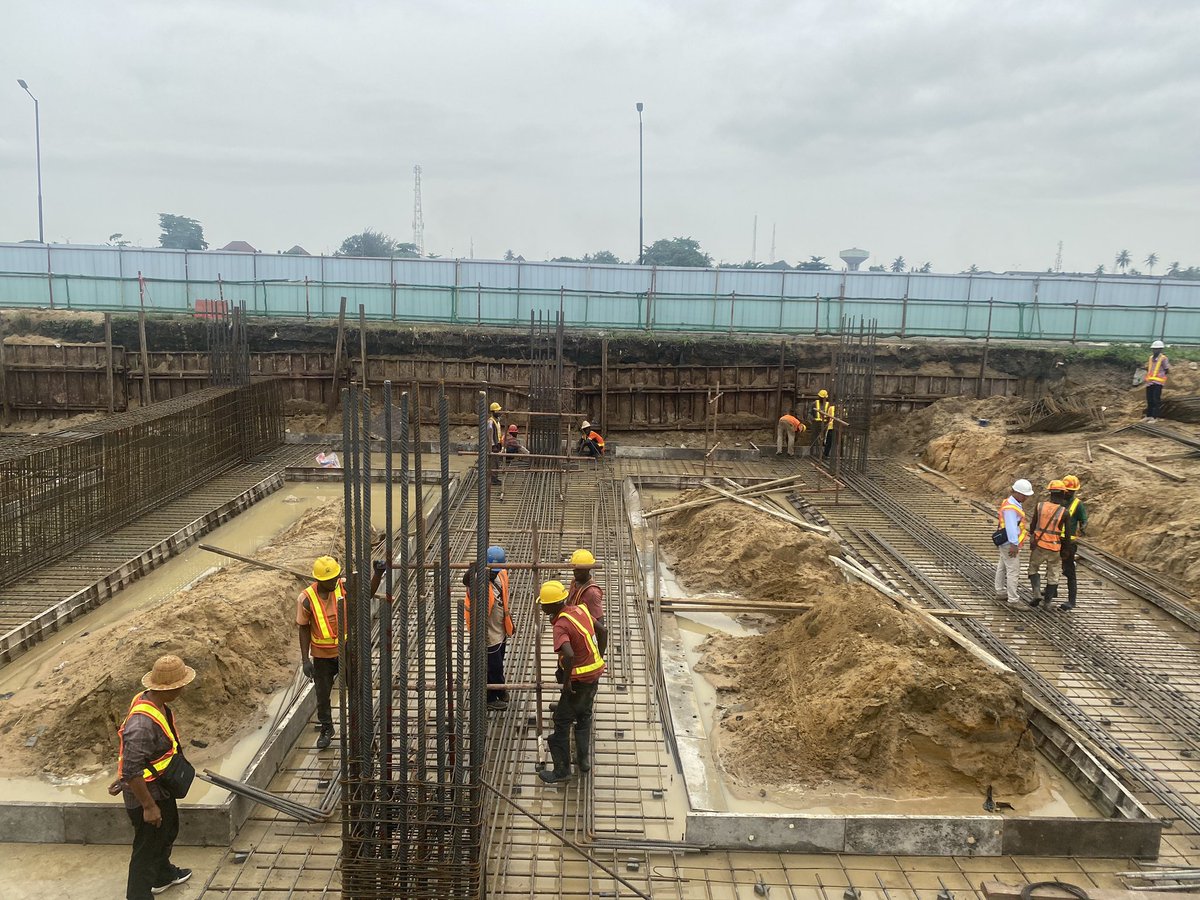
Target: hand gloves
307 666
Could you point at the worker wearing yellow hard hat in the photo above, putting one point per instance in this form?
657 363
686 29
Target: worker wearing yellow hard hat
584 591
317 621
1074 525
1045 544
580 648
495 434
822 410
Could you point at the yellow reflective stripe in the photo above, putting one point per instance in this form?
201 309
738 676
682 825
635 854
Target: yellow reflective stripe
1154 369
325 636
1022 530
589 635
149 709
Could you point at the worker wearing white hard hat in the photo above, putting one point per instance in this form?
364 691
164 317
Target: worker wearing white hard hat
1157 369
1010 538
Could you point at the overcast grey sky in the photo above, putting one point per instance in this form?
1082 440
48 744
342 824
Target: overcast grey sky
955 132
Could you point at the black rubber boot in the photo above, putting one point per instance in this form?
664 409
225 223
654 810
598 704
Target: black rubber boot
325 738
560 772
583 748
1051 594
1035 582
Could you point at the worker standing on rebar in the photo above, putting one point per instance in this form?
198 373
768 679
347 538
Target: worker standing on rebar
580 664
1074 526
830 419
499 622
585 592
1046 544
791 426
817 419
148 761
590 441
1157 370
1010 536
495 436
317 626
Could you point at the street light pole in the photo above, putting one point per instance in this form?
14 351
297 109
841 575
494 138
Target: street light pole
641 218
37 131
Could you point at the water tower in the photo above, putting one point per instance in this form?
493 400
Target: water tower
853 258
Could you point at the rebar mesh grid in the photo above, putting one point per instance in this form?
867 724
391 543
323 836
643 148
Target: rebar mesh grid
63 490
228 347
854 391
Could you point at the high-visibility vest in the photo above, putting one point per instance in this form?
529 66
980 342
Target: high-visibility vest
141 707
1047 527
494 433
581 619
1154 372
1070 515
820 411
1015 507
791 420
830 412
502 578
595 436
322 633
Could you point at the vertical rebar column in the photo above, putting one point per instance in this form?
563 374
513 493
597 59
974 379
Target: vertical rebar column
363 585
386 694
444 656
402 624
421 583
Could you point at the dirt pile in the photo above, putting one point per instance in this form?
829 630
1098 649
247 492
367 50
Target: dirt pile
236 628
727 546
859 693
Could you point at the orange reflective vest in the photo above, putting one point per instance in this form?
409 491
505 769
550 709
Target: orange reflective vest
1022 531
1047 526
141 707
323 633
581 620
1154 369
502 579
791 420
595 436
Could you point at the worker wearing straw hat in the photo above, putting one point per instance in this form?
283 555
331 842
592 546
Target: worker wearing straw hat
149 743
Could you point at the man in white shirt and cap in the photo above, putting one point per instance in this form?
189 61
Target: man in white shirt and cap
1012 533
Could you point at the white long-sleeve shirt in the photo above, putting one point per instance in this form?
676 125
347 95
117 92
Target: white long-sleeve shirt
1012 522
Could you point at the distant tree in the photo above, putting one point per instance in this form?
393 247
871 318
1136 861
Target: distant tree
1123 260
680 251
898 264
566 259
1191 273
377 244
876 268
814 264
1151 262
1133 272
509 256
180 233
1173 269
926 268
1099 270
748 264
600 258
117 240
972 269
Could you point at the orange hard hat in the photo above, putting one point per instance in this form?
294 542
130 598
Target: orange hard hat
1070 482
1056 485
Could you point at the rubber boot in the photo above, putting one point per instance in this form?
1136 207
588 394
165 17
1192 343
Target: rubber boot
1035 582
583 748
1050 595
560 772
1072 588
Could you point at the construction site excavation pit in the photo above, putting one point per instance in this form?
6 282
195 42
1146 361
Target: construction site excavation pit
811 713
62 702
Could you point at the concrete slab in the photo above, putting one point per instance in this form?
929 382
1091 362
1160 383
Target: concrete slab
1130 838
925 835
796 834
31 822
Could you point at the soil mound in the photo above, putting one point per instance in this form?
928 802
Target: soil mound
857 692
727 546
236 628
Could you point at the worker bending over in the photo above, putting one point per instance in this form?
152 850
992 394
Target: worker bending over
791 426
590 441
512 441
499 622
1046 545
585 592
1157 370
1009 538
580 651
1074 526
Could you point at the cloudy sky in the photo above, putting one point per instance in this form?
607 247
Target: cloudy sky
955 132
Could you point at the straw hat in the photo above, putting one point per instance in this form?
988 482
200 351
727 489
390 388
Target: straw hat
168 673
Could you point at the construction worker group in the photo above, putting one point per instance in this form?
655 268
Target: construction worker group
1051 531
822 420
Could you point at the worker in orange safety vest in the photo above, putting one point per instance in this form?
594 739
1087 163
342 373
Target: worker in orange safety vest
499 622
1046 546
790 426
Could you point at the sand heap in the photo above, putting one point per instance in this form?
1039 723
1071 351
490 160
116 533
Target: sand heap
236 628
859 693
727 546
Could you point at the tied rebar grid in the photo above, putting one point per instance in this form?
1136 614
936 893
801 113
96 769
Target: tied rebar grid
854 390
546 385
228 347
412 803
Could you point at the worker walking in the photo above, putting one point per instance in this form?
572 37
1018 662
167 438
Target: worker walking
1009 538
1157 370
317 626
580 651
152 774
791 426
585 592
1074 526
495 436
499 622
590 441
1046 544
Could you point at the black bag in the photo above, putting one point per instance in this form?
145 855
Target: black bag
1000 537
176 779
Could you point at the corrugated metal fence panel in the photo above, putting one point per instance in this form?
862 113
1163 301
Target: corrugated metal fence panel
27 258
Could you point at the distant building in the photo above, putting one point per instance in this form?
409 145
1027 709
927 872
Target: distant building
296 250
854 257
239 247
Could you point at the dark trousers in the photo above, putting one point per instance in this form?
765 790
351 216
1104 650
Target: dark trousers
1067 555
589 448
828 443
1154 400
574 708
150 862
324 671
496 671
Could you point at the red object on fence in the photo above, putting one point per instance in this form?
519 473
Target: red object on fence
209 309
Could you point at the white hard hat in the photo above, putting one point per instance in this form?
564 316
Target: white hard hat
586 424
1157 345
1022 486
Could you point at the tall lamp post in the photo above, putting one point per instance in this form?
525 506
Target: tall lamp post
37 130
641 219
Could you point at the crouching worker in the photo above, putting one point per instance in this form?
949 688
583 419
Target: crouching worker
590 441
499 622
580 648
790 426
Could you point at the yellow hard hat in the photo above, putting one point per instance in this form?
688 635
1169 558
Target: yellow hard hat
326 568
1056 485
1071 482
552 592
823 394
583 559
495 407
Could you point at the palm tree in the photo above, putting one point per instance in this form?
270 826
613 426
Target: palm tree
973 270
1099 270
898 264
1173 269
1123 260
1151 262
926 268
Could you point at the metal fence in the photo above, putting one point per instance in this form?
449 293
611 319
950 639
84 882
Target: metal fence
61 491
1052 307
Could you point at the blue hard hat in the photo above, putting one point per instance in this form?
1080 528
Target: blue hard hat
495 554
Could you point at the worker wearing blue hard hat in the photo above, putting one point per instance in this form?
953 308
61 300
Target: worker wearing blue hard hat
499 621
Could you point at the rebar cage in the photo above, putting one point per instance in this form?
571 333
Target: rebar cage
228 347
854 391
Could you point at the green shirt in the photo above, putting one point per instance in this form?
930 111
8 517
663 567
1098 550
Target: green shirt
1075 520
